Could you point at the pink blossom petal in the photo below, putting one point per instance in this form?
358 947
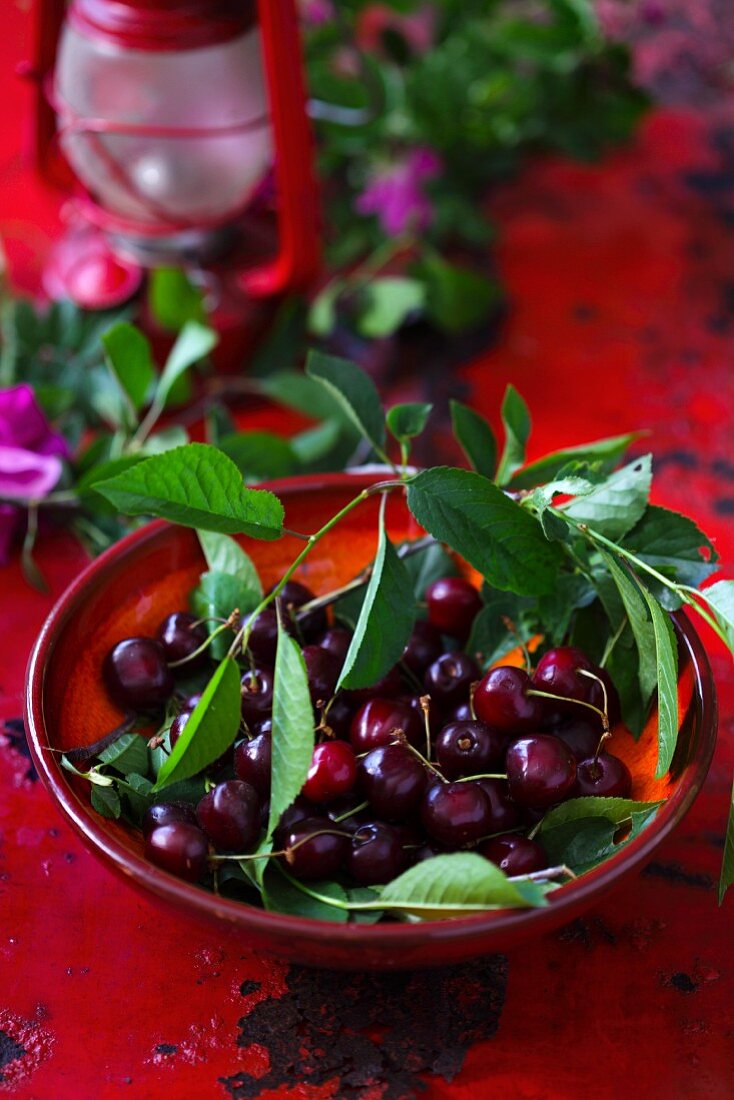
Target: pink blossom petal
23 424
25 475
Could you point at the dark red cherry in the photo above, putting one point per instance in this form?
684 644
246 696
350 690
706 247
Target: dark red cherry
167 813
541 770
229 814
423 648
387 687
581 736
456 814
559 672
515 855
434 718
347 804
293 596
333 772
337 642
256 690
453 604
177 726
338 717
449 678
501 700
315 849
468 748
504 814
380 721
263 640
596 696
376 855
179 848
323 670
462 712
253 762
392 779
136 674
297 811
180 635
605 776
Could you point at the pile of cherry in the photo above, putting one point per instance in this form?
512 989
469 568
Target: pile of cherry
433 758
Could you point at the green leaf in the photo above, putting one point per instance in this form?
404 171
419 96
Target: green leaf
260 455
385 620
193 343
225 555
517 424
476 439
491 531
284 895
720 598
490 637
407 421
615 810
636 608
210 730
581 832
128 355
173 298
215 597
614 507
106 801
293 726
102 472
457 299
726 877
196 486
317 444
389 302
675 546
607 452
457 884
426 566
555 611
323 312
354 391
128 754
165 440
666 647
360 895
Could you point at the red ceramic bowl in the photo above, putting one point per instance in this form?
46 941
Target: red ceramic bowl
129 589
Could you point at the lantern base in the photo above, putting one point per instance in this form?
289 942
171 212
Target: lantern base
181 249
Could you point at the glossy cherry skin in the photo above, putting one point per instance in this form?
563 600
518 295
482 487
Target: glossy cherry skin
387 687
455 814
541 770
393 780
605 776
504 814
179 848
435 721
298 811
559 673
501 701
380 721
333 772
468 748
596 696
337 719
581 736
256 690
449 678
337 642
263 640
462 712
376 855
167 813
136 674
323 670
294 595
423 648
453 604
347 804
180 635
515 855
229 814
253 762
315 849
177 726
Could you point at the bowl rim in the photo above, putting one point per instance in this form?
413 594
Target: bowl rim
203 904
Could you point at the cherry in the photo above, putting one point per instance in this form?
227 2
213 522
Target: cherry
515 855
453 604
263 640
253 762
504 813
256 688
180 848
450 676
293 595
581 736
229 814
468 748
392 779
501 700
296 812
167 813
462 712
387 687
338 717
456 814
423 648
596 696
136 674
346 804
180 635
376 855
434 718
604 775
190 701
380 721
557 672
177 726
323 670
332 773
337 641
540 770
310 856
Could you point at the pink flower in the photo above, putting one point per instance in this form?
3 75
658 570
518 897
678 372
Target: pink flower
396 196
316 12
418 28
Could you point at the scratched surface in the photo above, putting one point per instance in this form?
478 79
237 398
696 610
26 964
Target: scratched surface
622 285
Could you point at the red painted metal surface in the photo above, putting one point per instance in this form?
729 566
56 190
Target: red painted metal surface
623 316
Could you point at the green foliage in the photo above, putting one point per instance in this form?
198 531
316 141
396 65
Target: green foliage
293 726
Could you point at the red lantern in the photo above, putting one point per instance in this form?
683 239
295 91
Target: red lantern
175 116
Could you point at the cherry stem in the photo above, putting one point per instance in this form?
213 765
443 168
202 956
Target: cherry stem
228 624
482 775
416 752
549 872
578 702
472 692
425 702
355 810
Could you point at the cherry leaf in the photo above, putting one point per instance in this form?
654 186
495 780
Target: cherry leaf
476 439
293 726
455 885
